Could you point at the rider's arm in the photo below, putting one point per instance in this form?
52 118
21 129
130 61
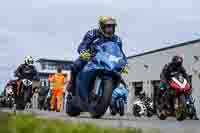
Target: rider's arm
164 74
185 75
87 40
18 71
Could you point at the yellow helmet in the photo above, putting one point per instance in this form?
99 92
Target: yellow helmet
107 21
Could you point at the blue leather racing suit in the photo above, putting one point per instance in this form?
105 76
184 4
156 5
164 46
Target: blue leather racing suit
91 39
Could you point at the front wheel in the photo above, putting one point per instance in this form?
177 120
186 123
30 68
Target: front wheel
71 109
103 101
180 114
113 111
121 107
136 110
180 110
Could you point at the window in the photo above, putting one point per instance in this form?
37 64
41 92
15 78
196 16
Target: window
66 67
190 78
44 83
52 67
43 66
138 87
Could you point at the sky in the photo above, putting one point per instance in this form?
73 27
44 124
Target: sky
54 28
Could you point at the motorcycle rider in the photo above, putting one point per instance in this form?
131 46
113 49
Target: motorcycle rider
169 70
26 71
104 33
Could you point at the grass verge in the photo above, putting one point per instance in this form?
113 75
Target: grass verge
30 124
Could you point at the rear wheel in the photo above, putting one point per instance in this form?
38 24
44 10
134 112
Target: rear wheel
102 102
20 104
161 113
136 110
22 98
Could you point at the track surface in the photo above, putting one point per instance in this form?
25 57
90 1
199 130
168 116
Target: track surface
168 126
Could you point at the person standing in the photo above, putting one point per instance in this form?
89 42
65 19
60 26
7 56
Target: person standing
58 81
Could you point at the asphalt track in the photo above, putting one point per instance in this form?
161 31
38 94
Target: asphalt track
128 121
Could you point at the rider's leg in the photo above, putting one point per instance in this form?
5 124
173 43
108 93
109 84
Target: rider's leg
162 97
18 82
76 67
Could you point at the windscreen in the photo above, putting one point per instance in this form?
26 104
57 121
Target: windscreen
112 48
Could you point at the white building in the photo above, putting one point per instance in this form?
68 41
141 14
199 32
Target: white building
145 69
49 66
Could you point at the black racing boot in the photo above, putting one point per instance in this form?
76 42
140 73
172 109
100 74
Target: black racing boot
196 117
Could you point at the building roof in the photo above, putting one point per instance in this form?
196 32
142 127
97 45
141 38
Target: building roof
52 72
53 60
165 48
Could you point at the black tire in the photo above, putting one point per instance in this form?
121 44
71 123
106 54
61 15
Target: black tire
45 104
71 110
10 102
121 108
113 111
191 116
20 104
180 117
135 110
193 112
159 113
162 116
181 110
74 114
22 98
104 101
149 113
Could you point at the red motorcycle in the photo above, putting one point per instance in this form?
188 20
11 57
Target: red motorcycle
174 98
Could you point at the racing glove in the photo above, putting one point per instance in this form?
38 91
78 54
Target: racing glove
85 55
125 69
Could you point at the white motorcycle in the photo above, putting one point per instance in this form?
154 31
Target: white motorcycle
143 107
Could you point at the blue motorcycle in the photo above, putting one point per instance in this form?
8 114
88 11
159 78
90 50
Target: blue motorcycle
119 99
96 81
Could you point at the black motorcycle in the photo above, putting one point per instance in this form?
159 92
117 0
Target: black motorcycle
23 94
9 95
190 108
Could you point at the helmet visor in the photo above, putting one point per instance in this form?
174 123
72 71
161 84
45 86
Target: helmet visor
30 62
109 29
